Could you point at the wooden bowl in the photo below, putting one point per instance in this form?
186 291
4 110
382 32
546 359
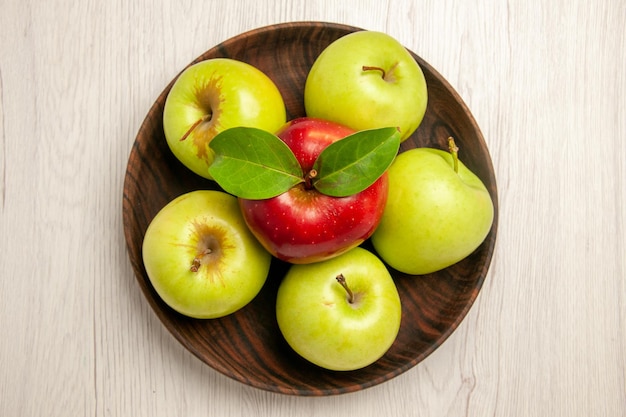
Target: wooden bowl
247 345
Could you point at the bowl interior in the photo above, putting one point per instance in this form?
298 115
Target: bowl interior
247 345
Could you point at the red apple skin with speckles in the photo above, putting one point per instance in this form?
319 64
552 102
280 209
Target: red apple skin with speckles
303 225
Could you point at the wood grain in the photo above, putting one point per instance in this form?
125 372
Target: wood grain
545 82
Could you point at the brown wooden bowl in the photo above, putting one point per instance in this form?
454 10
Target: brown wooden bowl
247 345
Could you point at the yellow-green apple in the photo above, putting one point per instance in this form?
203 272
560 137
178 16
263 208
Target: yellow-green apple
365 80
211 96
438 212
201 258
303 225
341 314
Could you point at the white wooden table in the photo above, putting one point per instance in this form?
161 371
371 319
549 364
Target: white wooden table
546 82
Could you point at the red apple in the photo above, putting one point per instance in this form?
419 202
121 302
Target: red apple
303 225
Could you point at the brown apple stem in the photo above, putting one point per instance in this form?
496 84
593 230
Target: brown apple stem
197 261
369 68
454 151
308 179
196 124
342 280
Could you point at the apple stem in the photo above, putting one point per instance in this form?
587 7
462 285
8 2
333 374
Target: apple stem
197 261
342 280
454 150
308 179
196 124
369 68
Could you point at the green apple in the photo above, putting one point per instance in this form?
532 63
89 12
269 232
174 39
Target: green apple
200 256
438 212
341 314
367 80
214 95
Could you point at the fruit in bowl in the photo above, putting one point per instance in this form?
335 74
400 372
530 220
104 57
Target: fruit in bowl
211 96
437 214
341 314
337 196
201 258
365 80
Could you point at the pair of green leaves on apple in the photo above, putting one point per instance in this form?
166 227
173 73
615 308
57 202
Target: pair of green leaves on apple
254 164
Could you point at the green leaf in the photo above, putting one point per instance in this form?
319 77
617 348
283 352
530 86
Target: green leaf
352 164
252 163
